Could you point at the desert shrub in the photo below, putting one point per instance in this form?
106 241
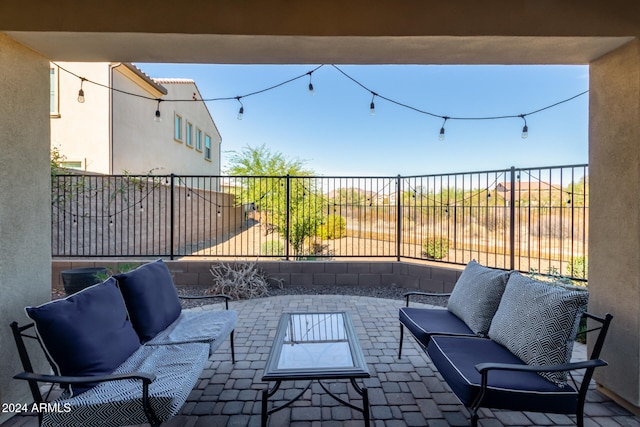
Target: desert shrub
240 280
435 247
118 269
578 267
272 247
333 227
314 248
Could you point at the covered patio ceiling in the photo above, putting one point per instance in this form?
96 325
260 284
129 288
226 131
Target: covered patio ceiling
287 49
331 31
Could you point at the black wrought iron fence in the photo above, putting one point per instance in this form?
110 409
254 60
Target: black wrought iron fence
523 219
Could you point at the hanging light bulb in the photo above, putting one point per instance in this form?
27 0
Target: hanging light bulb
441 136
241 110
81 91
311 90
525 128
157 118
372 106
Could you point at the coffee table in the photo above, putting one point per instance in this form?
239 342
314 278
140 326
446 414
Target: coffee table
315 346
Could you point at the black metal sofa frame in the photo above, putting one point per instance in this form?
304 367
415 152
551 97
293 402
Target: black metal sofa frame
27 331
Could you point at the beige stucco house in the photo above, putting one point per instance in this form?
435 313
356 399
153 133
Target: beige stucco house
116 128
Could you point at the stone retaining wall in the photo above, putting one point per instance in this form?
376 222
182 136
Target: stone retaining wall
419 276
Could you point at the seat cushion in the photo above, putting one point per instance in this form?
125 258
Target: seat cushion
87 333
424 322
476 296
538 322
456 358
198 325
151 298
177 369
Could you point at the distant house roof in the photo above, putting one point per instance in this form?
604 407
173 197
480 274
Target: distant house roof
196 95
141 74
173 81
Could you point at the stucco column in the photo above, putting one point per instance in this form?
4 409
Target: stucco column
25 200
614 227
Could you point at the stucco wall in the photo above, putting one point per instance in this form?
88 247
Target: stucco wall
81 131
115 216
614 246
25 225
140 144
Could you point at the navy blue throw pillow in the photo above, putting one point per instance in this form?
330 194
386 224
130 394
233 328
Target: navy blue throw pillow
151 298
87 333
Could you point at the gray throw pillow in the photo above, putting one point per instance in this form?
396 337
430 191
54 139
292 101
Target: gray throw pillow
538 322
476 296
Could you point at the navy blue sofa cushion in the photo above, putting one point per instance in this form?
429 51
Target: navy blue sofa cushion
456 358
151 298
87 333
424 322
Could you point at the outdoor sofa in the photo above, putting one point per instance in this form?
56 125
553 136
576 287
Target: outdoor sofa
505 341
123 350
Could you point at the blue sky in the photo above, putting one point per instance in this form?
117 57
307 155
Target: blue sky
335 134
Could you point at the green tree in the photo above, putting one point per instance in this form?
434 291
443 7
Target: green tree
578 193
267 181
334 227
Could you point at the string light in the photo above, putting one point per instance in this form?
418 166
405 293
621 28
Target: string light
524 135
139 205
311 90
81 91
441 136
241 110
157 118
372 107
525 128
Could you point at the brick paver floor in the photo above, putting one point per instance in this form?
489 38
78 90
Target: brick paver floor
403 392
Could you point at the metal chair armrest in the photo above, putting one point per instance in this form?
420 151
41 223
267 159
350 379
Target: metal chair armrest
227 298
61 379
484 368
407 295
146 379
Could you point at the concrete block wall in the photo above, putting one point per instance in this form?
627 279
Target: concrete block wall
419 276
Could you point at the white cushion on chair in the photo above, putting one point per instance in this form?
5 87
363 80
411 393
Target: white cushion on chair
538 322
476 296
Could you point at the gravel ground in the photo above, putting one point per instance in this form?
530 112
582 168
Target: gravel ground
376 292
